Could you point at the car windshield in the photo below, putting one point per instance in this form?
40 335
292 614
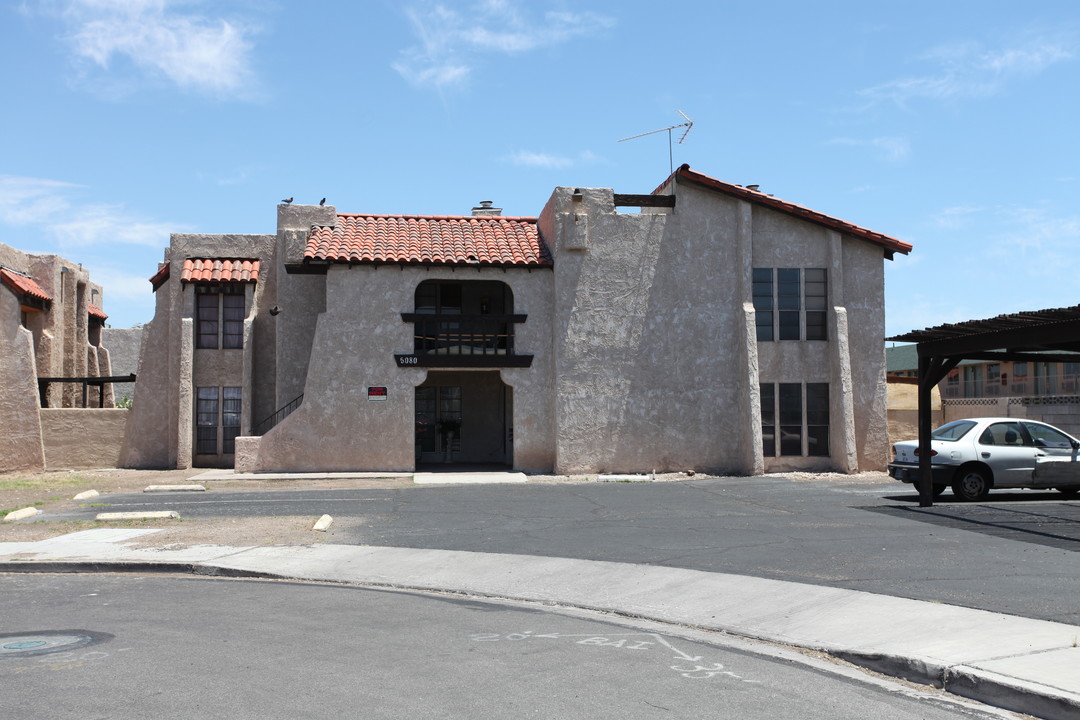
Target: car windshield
953 431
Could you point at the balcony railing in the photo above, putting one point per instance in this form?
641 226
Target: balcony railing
268 423
445 340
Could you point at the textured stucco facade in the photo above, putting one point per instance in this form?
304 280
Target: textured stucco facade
48 329
641 334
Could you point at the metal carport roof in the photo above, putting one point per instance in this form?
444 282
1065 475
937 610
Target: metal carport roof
1051 335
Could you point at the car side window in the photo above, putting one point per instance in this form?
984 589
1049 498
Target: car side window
1045 436
1006 433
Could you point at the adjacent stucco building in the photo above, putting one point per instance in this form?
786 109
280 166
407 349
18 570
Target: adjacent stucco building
704 326
50 344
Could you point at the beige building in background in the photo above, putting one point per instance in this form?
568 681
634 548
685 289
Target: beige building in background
50 327
712 327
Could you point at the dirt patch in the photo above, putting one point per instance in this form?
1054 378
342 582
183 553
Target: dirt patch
52 492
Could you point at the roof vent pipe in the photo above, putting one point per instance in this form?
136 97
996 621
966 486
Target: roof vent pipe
485 209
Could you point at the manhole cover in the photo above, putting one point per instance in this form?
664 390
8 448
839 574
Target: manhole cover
27 644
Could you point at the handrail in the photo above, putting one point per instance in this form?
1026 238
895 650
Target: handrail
268 423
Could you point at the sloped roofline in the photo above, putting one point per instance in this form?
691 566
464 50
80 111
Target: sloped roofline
684 173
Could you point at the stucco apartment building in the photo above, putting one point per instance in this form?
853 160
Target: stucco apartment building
50 330
704 326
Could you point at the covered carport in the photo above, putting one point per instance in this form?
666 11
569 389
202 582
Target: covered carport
1036 336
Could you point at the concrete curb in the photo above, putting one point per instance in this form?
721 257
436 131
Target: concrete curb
137 515
1023 665
26 512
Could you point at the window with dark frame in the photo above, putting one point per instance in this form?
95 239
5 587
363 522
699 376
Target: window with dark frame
206 421
217 408
219 317
230 418
768 419
790 303
799 413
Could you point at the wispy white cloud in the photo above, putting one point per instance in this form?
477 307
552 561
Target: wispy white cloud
889 149
121 288
955 217
195 51
53 207
450 42
1050 241
969 70
528 158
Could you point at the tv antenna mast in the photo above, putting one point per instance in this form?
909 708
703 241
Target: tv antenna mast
688 125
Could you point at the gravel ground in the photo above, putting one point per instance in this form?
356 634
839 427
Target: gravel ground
52 492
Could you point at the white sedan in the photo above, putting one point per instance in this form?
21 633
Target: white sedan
977 454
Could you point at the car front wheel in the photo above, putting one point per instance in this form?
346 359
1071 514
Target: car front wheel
971 483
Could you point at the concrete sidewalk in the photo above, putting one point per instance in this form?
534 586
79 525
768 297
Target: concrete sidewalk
1029 666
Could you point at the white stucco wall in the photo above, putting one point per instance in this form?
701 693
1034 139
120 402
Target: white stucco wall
83 437
647 374
657 363
355 339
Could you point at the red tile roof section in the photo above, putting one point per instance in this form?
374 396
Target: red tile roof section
430 239
754 196
95 312
161 276
23 285
219 270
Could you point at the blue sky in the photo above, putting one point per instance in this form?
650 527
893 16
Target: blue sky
950 125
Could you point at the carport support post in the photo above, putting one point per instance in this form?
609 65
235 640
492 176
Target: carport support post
926 384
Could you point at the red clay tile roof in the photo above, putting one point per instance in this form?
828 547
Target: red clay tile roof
161 276
23 285
219 270
430 239
890 244
95 312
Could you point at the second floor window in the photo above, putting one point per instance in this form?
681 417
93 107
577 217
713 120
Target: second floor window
789 303
219 317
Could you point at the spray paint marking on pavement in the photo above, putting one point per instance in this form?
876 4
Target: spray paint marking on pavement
689 666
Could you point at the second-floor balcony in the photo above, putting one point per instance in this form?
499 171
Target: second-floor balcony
453 340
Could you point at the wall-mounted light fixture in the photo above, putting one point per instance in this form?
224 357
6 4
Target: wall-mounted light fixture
275 311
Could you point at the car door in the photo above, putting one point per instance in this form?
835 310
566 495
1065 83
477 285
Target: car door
1050 443
1008 451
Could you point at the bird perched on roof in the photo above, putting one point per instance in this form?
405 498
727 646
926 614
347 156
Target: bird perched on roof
287 201
323 201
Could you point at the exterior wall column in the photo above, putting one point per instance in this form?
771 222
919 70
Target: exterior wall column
21 446
845 452
185 428
753 461
247 384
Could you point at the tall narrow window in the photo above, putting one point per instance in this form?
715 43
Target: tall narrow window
230 418
787 301
768 419
763 303
206 421
791 418
232 315
817 419
814 292
206 318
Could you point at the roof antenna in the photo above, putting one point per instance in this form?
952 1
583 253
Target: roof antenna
688 124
